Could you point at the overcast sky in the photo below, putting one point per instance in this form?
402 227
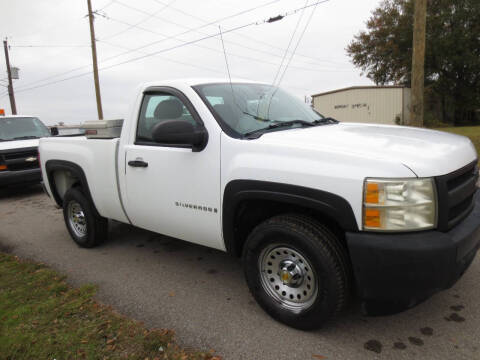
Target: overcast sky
254 52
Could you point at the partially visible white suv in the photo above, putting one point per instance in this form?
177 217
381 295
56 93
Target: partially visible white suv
19 137
316 208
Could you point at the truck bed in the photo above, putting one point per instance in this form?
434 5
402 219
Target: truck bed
98 160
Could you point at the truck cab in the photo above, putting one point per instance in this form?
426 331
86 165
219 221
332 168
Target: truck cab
317 209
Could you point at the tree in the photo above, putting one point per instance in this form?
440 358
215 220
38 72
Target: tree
452 58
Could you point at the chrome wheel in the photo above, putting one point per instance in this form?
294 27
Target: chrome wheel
77 219
288 277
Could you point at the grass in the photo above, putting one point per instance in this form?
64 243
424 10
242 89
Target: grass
42 317
473 132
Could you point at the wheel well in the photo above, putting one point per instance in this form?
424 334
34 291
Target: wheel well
250 213
64 180
63 175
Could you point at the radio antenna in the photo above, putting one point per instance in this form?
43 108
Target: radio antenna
226 63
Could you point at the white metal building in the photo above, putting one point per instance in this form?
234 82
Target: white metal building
366 104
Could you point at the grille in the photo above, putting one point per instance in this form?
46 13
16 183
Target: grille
23 159
455 195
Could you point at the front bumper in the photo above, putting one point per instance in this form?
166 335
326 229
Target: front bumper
20 177
396 271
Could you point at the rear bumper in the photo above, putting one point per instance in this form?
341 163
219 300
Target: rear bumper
20 177
402 270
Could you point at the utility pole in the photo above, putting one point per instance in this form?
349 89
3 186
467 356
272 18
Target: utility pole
418 62
95 65
13 106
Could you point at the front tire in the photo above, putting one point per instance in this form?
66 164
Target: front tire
86 228
297 270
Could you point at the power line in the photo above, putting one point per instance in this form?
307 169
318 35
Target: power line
153 43
174 47
214 49
170 60
265 43
130 26
138 57
55 76
149 16
298 42
236 14
48 46
196 66
292 54
106 5
289 43
214 35
197 28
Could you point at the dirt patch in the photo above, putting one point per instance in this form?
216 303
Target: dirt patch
427 331
455 317
373 345
415 341
6 249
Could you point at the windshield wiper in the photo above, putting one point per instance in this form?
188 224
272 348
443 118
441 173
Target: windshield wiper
26 137
326 120
277 125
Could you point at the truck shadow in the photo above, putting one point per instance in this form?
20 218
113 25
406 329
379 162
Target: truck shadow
19 192
121 235
391 334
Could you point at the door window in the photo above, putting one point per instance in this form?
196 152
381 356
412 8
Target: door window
157 108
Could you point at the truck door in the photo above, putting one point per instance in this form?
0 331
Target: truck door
171 189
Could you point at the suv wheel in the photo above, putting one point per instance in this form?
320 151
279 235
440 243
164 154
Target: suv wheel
297 270
85 227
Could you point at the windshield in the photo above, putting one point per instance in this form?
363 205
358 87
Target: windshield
17 128
247 108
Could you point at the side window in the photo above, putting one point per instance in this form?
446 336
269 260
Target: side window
157 108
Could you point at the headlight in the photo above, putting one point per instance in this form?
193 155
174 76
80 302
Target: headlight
399 204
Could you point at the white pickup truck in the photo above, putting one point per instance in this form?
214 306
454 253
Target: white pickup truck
318 210
19 136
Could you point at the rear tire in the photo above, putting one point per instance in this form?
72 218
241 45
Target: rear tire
297 270
86 228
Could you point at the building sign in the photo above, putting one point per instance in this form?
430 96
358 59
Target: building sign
353 106
358 106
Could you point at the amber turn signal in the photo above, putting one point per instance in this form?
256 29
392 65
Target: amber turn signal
371 193
372 218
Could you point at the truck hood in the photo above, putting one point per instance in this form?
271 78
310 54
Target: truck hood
425 152
18 144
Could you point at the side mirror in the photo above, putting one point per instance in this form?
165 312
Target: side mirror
54 130
180 132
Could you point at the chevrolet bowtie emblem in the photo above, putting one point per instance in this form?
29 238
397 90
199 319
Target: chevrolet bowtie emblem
31 159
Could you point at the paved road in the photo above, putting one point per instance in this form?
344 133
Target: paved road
201 294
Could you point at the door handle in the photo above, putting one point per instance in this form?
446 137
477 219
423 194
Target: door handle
138 163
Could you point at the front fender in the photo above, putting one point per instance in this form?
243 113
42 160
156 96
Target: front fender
236 191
